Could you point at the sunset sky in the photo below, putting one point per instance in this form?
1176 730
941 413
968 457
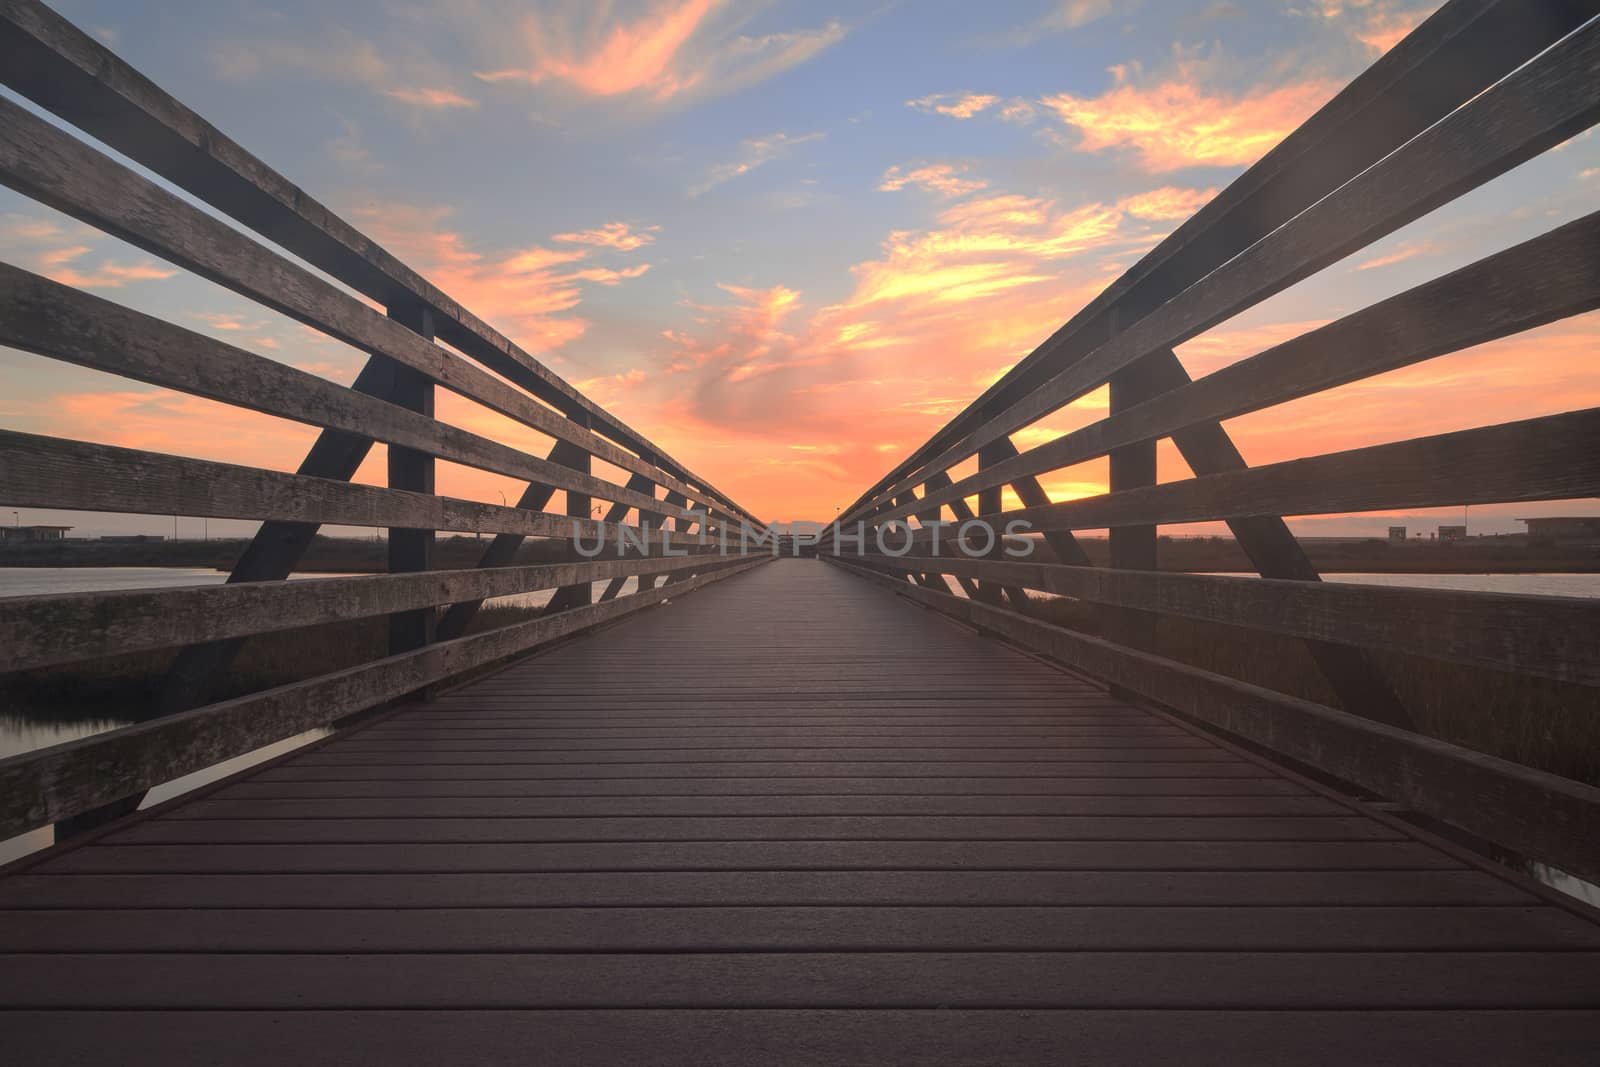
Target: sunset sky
786 241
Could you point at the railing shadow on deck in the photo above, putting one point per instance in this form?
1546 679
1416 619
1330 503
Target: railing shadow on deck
696 534
1475 90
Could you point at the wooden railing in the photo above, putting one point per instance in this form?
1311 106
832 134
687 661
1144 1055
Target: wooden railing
74 785
1477 89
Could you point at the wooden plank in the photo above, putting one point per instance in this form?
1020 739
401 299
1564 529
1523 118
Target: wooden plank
1547 458
1192 980
728 828
67 71
758 856
1537 814
272 782
803 929
49 784
693 1038
229 805
1542 636
48 629
1123 889
52 472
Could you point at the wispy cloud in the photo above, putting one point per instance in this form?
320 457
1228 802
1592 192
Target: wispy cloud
1410 250
68 252
1167 203
941 178
397 70
672 49
433 99
529 292
618 235
1071 14
956 105
757 152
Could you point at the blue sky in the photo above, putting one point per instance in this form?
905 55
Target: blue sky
787 241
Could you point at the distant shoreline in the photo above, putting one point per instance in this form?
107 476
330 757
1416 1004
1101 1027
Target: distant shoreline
1490 555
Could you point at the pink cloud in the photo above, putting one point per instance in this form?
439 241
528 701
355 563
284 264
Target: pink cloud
938 178
1167 203
432 99
617 235
955 105
528 292
1179 123
670 50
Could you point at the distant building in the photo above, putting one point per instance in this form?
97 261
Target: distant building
12 535
132 539
1452 533
1569 529
1397 534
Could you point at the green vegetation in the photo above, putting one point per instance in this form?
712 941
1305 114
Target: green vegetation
1533 721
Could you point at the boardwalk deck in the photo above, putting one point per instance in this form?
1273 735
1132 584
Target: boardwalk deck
792 818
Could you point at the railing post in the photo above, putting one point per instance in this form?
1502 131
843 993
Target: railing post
989 503
579 506
411 549
1132 467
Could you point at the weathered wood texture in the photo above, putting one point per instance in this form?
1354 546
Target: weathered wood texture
37 788
1536 814
1547 458
1551 637
50 472
781 821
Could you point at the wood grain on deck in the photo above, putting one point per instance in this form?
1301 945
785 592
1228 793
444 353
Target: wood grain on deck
790 818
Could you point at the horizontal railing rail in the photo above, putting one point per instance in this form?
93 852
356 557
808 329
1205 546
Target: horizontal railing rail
658 522
1459 51
1543 815
1478 89
59 782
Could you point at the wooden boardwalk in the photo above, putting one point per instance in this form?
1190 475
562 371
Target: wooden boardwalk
792 818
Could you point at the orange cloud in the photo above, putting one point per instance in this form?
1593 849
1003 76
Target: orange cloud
60 250
612 235
1167 203
1380 29
1399 255
930 320
938 178
672 49
526 292
109 275
433 99
956 105
1177 123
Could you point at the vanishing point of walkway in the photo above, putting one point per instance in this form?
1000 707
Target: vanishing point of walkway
792 818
